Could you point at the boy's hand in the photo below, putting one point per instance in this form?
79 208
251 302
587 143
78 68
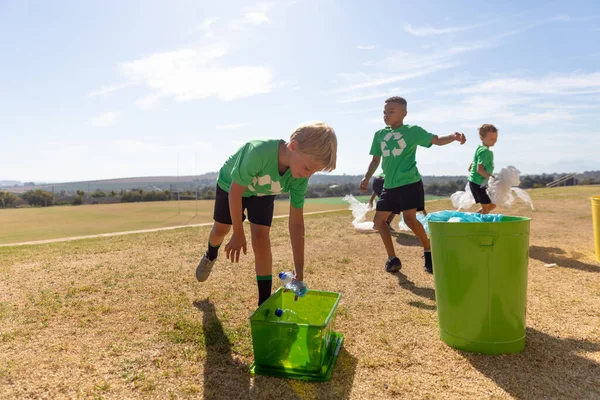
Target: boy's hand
235 244
364 184
460 137
370 204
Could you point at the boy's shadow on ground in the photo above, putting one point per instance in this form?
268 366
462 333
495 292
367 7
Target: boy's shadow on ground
549 367
224 377
550 255
405 239
424 292
227 378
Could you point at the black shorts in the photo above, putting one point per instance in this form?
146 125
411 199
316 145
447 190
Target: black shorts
402 198
479 193
260 208
377 185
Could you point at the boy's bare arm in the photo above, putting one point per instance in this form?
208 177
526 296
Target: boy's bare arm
481 171
372 199
364 183
238 239
444 140
296 225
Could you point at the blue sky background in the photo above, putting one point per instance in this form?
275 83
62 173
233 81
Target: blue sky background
106 89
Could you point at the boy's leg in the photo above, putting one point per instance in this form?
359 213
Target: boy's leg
220 229
487 208
260 214
410 218
389 220
263 260
381 225
387 204
216 237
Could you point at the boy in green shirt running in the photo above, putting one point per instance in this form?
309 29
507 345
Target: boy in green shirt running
249 180
403 188
482 167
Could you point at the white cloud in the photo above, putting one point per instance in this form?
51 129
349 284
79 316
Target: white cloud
104 120
104 90
370 96
228 127
194 73
205 26
365 46
572 84
429 31
255 15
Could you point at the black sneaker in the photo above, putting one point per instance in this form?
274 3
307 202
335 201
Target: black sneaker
393 265
428 262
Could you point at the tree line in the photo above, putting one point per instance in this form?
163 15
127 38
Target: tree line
44 198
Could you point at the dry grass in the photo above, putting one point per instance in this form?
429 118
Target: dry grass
123 317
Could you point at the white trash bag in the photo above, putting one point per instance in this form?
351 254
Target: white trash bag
359 211
500 191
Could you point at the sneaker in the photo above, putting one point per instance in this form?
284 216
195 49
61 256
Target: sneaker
393 265
428 263
204 268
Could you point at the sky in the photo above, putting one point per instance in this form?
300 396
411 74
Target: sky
109 89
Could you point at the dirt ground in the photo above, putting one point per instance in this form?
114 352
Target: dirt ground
124 317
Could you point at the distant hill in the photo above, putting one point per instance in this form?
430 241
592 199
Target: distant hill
209 179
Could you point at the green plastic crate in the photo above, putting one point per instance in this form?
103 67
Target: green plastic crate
293 350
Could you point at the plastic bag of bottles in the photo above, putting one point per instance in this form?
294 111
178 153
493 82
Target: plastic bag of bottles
459 216
499 189
359 211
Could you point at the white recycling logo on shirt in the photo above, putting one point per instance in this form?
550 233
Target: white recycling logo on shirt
275 186
396 151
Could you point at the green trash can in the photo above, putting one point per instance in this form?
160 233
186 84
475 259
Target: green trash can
480 273
304 350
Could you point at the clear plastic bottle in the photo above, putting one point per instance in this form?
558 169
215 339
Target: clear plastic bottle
289 316
289 282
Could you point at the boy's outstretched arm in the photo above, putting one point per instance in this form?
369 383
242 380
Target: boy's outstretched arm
296 225
470 166
444 140
364 183
238 238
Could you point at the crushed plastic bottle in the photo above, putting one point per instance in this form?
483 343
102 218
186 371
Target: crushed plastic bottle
289 282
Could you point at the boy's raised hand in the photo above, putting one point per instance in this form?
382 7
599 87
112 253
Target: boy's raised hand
460 137
235 245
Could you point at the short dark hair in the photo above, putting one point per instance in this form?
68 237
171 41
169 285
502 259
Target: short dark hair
396 99
485 128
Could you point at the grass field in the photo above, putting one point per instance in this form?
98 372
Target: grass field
124 317
364 199
28 224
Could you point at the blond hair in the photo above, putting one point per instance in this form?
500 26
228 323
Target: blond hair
485 128
317 139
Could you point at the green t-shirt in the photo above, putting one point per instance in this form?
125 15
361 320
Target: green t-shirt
485 156
256 166
398 150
